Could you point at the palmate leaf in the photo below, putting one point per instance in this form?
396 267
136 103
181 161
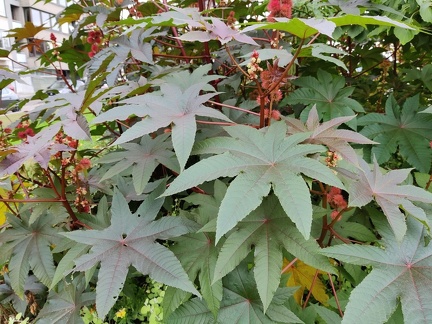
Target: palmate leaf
171 106
405 128
65 305
327 134
130 240
141 159
329 94
389 194
217 30
402 269
261 160
37 148
269 231
31 249
240 304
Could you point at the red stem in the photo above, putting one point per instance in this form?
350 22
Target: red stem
335 295
289 265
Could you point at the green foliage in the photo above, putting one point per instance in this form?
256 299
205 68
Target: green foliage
130 240
215 157
400 270
407 129
263 160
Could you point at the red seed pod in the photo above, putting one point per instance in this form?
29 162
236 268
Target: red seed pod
92 33
91 54
90 40
95 47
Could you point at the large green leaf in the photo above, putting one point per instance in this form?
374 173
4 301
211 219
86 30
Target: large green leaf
401 269
405 128
171 106
140 160
268 231
240 304
130 240
328 93
389 194
31 249
261 159
65 305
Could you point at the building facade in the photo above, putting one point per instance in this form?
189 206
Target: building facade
14 14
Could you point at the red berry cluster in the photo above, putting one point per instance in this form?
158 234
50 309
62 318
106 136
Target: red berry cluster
337 201
279 8
25 130
231 19
81 201
60 138
94 38
275 114
4 136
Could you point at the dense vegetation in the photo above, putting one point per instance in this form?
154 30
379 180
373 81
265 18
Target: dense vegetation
230 162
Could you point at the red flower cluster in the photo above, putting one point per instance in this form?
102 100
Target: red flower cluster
279 8
336 201
272 79
25 130
231 19
94 38
60 138
275 114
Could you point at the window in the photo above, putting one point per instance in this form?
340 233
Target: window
4 41
35 17
38 18
39 47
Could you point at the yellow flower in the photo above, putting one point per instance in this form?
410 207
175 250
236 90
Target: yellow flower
121 313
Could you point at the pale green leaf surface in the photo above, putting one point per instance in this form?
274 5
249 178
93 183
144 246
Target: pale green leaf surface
261 158
327 315
402 269
244 194
64 306
171 105
268 230
141 158
389 194
67 262
124 243
31 249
